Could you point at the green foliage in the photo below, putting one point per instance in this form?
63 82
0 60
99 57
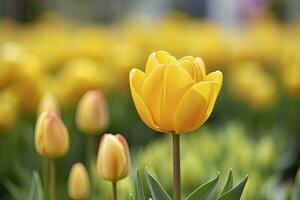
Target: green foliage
36 191
157 191
208 151
234 193
207 191
229 183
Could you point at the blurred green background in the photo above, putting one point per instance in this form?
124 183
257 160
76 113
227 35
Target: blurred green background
68 47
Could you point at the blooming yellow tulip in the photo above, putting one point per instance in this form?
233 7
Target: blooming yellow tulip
113 161
48 103
174 96
79 184
51 136
92 113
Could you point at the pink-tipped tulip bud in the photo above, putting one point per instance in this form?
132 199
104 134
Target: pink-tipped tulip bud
51 136
48 103
113 161
92 114
79 183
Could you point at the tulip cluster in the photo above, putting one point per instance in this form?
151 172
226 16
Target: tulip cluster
84 57
52 142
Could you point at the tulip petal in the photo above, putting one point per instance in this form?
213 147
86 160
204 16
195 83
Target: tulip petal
152 92
217 80
56 138
157 58
163 89
176 82
195 67
123 141
192 107
136 80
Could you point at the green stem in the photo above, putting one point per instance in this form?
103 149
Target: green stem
176 167
52 181
89 149
45 167
114 191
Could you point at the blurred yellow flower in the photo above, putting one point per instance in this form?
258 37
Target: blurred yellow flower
51 136
113 161
48 103
291 79
261 92
80 75
92 115
174 96
8 109
79 183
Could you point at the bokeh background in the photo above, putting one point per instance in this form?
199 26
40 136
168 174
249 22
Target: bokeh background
70 46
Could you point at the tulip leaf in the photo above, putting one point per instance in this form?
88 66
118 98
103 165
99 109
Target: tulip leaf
15 192
131 197
140 185
229 183
236 192
156 190
36 191
204 191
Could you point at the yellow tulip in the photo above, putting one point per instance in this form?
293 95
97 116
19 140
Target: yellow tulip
92 113
79 184
8 109
291 79
174 96
48 103
51 136
113 161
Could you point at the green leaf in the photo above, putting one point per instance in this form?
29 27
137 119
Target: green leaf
204 191
156 190
36 191
139 186
15 191
131 197
229 183
236 192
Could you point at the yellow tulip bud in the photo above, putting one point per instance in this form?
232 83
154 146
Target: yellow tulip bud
79 183
174 96
113 161
92 113
48 103
51 136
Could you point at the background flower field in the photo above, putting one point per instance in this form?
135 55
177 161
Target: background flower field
254 128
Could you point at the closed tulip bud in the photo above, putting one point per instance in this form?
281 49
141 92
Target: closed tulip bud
79 183
51 136
113 161
48 103
92 113
174 96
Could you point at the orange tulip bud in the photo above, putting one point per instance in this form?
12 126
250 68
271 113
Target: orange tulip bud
51 136
113 162
48 103
79 183
92 114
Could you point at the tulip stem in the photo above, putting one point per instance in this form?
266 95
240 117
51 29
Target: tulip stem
176 167
114 191
45 167
90 148
52 183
